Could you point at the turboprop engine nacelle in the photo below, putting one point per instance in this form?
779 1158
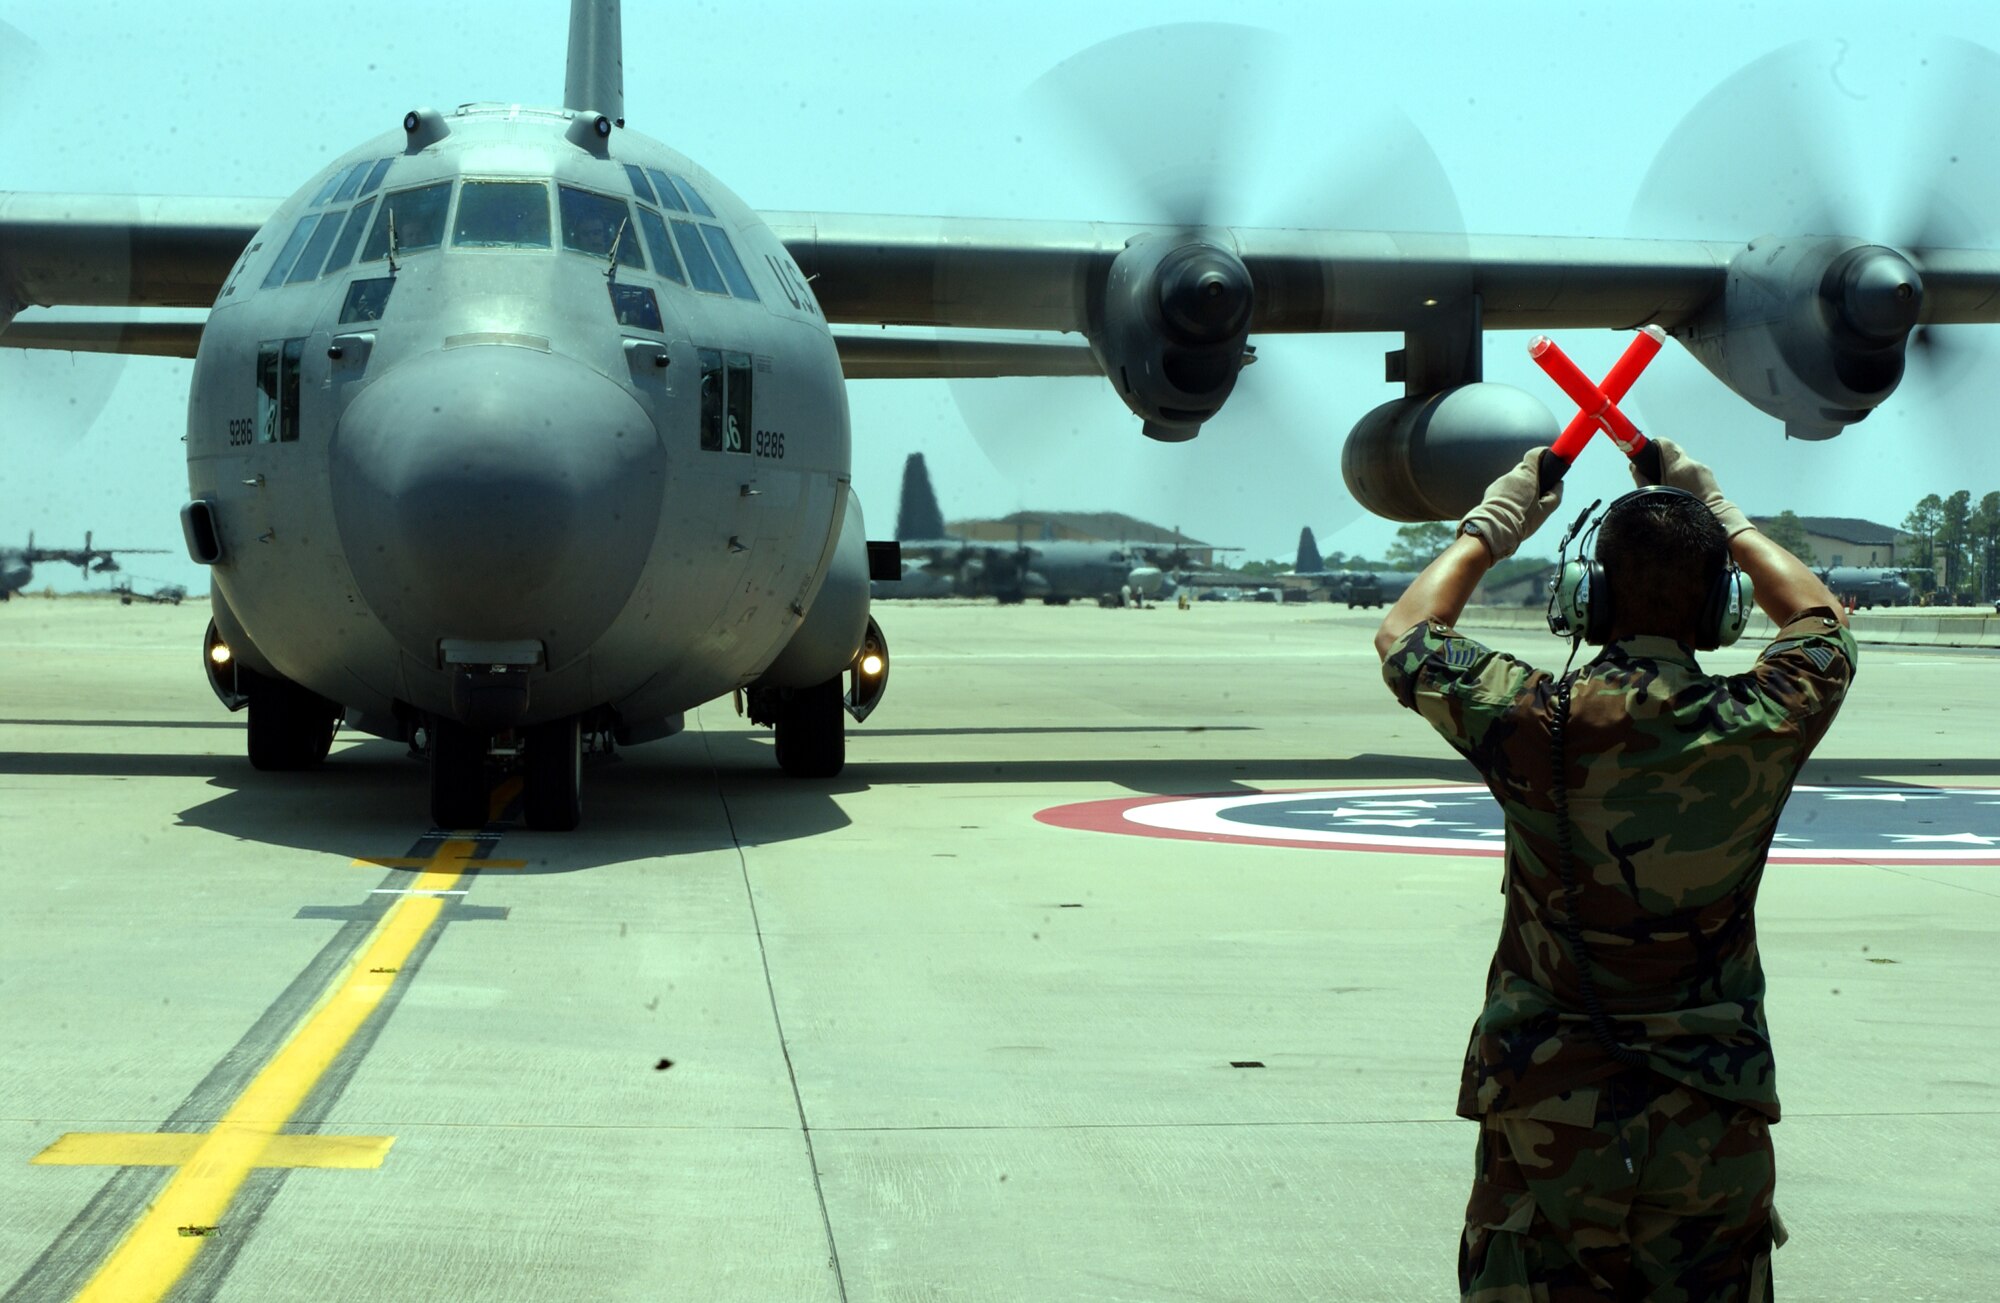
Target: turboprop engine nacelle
1170 330
1431 456
1811 330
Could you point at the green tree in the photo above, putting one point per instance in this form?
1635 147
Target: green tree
1418 545
1984 528
1788 532
1954 543
1922 524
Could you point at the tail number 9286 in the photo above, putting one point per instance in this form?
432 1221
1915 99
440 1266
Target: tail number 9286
769 443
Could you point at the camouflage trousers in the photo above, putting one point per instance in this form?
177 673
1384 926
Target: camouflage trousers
1556 1217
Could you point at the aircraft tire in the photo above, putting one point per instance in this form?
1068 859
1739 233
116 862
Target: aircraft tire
458 775
812 734
291 728
552 777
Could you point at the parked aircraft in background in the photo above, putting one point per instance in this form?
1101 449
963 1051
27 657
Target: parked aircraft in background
1868 586
1056 571
17 564
1363 586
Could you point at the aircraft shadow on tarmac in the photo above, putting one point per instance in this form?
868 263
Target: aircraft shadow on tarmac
662 799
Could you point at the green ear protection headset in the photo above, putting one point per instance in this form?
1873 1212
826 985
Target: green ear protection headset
1580 602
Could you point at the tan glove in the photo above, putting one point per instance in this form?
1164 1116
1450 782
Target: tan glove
1513 508
1680 471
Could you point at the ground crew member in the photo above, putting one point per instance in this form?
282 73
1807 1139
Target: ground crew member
1621 1070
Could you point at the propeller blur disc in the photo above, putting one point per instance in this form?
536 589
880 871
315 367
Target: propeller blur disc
1180 121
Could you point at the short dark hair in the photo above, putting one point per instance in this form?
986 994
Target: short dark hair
1662 555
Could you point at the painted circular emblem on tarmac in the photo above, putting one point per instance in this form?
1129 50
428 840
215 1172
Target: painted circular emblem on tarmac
1821 825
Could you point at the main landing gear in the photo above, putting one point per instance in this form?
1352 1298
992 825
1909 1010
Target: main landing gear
812 731
551 774
290 727
459 787
811 723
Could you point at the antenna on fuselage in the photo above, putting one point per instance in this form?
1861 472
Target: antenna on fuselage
596 77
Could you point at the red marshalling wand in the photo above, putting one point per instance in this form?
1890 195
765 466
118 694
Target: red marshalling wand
1597 404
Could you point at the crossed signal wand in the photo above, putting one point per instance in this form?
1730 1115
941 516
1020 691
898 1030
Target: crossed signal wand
1598 404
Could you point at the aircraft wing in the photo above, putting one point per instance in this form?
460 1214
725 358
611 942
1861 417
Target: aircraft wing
1038 275
896 354
111 335
998 274
135 251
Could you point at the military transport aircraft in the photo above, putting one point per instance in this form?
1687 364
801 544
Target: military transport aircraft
515 423
1055 571
1868 586
17 564
1357 586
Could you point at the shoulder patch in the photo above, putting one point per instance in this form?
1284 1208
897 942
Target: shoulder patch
1459 653
1820 655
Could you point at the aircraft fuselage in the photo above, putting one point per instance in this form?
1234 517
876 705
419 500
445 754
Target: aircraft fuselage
436 425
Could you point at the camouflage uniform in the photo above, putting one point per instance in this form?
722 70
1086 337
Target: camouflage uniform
1675 782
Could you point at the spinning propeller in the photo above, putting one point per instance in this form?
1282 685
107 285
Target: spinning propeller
1897 143
48 400
1175 121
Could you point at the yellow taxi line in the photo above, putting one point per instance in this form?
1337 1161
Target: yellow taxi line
161 1246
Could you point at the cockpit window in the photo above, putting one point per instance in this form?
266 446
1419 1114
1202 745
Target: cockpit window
366 300
375 175
701 267
634 305
278 390
418 216
353 182
350 236
640 186
731 265
662 246
325 191
290 253
590 222
502 215
307 267
669 197
693 197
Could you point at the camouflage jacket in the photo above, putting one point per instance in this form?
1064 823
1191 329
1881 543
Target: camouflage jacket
1675 781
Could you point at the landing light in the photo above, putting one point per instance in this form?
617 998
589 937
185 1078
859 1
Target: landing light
871 665
219 654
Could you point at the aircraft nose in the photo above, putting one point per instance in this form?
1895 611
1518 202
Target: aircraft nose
496 492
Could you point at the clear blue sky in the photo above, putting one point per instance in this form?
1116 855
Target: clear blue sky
918 108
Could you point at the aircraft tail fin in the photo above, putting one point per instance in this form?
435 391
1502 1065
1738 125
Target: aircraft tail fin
1309 561
596 76
918 517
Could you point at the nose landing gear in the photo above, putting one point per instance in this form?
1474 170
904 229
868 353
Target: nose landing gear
551 765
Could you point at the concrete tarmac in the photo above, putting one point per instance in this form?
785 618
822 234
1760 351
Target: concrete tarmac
887 1037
